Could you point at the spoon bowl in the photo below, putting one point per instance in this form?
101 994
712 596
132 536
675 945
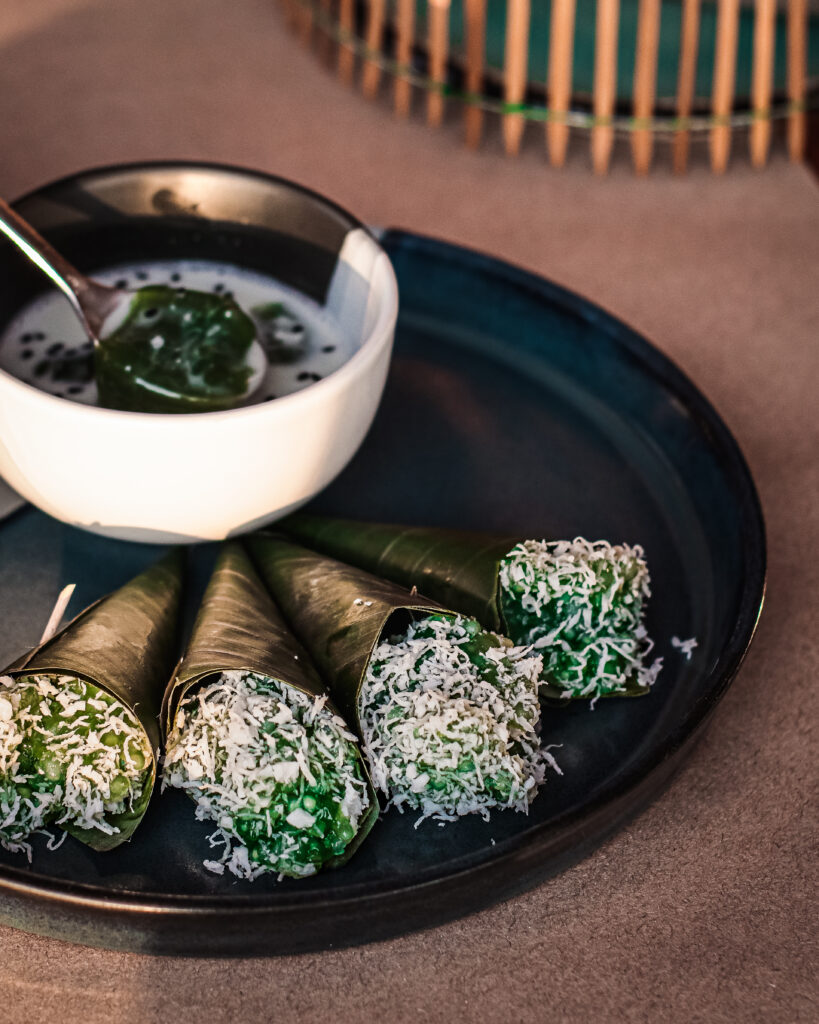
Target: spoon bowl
104 313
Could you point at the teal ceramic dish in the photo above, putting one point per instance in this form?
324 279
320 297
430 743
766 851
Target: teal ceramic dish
512 405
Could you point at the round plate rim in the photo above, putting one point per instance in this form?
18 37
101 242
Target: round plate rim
84 896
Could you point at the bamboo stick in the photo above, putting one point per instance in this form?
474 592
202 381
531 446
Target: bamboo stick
645 82
373 34
515 70
605 82
305 22
405 32
559 81
722 97
686 79
325 38
797 62
438 46
762 80
346 57
291 13
475 25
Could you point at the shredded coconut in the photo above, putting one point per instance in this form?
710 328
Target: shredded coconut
685 647
276 770
69 753
581 604
449 716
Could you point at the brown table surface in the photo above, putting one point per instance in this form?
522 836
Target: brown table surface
704 908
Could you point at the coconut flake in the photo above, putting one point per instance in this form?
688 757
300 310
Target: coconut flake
300 818
67 717
580 603
450 732
685 647
265 743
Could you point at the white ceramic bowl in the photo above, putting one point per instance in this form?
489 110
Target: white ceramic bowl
161 478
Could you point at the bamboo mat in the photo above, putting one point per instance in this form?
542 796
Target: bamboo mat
448 49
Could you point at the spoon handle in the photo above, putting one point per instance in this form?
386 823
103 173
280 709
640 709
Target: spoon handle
64 275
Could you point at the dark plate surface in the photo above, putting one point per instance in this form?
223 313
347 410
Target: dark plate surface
515 406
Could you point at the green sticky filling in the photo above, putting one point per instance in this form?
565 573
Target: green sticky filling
70 754
449 728
176 351
290 789
282 335
582 605
269 311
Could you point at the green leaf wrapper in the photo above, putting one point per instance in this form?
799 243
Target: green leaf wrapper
239 628
337 611
456 567
125 645
459 568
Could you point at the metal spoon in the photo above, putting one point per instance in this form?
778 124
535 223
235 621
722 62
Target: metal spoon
91 301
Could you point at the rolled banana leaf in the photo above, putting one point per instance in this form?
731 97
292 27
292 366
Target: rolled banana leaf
339 612
239 628
125 645
445 740
459 568
456 567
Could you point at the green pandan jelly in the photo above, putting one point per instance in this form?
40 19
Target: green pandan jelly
276 771
449 718
69 754
581 605
176 350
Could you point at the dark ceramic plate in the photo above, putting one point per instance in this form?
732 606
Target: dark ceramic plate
515 406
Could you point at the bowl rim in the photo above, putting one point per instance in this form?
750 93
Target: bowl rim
352 368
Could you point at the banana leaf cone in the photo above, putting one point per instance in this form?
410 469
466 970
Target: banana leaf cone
459 568
240 628
456 567
338 612
125 645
